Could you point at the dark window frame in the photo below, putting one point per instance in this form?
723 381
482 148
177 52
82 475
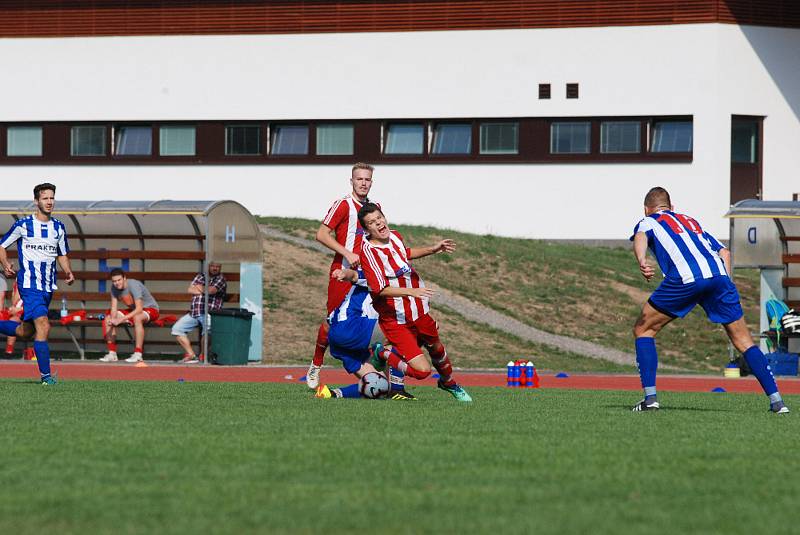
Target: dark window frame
263 145
20 159
132 157
533 143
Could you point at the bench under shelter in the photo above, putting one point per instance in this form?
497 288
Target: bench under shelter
163 244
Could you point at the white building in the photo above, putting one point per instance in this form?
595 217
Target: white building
462 106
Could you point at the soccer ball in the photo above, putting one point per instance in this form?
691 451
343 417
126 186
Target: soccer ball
373 385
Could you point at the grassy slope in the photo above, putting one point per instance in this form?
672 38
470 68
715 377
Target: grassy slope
589 293
295 293
128 457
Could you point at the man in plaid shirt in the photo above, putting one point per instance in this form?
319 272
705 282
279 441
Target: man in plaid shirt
189 322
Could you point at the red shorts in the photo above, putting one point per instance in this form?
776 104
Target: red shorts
152 314
337 290
407 339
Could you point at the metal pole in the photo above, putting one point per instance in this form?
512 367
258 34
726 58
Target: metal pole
206 316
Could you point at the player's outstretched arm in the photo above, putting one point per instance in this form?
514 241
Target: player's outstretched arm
342 275
444 246
66 267
640 252
421 293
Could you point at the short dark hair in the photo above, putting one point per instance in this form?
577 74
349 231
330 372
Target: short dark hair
116 271
657 196
41 187
367 209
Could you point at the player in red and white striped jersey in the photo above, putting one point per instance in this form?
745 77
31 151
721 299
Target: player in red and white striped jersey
340 232
401 299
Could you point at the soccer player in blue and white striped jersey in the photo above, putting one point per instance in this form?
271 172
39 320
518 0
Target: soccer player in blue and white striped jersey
41 242
695 267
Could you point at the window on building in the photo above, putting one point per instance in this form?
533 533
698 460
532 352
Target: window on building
176 141
24 141
334 139
452 138
243 140
403 138
744 141
88 141
671 136
620 136
289 139
544 91
570 137
133 141
572 90
499 138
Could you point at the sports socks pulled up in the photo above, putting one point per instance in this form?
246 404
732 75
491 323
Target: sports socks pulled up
42 350
647 362
760 368
321 345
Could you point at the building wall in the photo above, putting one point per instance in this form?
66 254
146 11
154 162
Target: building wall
709 71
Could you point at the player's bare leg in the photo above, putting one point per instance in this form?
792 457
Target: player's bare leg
742 340
138 336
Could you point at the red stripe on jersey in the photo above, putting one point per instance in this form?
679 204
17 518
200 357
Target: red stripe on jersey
389 266
342 218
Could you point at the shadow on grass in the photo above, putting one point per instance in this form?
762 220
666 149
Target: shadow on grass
669 408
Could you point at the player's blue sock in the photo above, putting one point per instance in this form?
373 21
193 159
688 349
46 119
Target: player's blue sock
9 328
647 361
398 379
760 368
350 391
42 357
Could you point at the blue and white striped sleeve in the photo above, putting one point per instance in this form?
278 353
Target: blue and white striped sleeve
715 244
63 243
12 235
644 225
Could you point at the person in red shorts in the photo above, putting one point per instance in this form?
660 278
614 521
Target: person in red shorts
340 232
142 309
401 299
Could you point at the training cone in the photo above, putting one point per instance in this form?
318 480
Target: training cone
141 364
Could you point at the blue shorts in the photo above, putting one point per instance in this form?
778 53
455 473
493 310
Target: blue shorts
349 341
718 297
36 303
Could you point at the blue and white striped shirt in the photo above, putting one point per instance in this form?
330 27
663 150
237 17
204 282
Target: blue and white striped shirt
684 251
356 304
38 245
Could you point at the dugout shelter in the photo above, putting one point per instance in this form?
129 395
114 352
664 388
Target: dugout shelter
765 235
162 243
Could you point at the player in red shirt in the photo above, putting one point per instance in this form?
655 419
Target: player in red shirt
401 299
340 232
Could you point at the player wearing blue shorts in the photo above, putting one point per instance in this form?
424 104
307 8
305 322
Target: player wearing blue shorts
41 242
353 324
695 267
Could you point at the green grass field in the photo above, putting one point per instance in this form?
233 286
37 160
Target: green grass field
135 457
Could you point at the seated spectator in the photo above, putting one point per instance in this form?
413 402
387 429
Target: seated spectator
195 318
142 309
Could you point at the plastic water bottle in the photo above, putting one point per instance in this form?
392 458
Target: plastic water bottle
510 374
64 311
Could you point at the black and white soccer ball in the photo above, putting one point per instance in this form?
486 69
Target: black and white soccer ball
373 385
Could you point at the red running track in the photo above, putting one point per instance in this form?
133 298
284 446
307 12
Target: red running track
160 371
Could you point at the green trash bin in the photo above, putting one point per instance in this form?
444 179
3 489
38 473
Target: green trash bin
230 336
